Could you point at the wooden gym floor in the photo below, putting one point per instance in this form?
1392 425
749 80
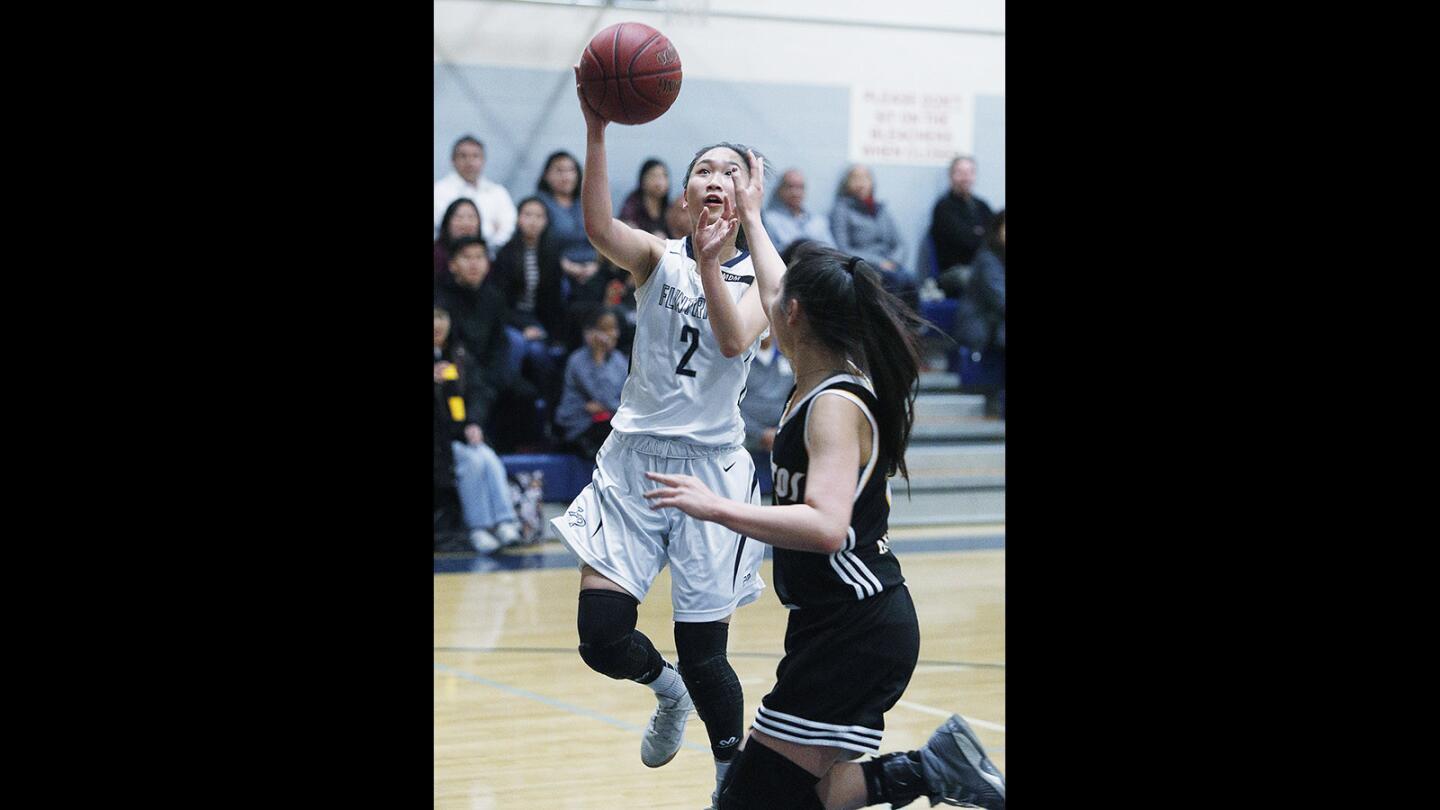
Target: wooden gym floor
521 722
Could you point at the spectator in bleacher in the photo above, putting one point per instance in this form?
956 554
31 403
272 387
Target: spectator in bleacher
959 220
863 226
980 314
786 219
766 390
449 419
559 189
497 209
527 273
479 314
461 218
645 207
463 462
594 377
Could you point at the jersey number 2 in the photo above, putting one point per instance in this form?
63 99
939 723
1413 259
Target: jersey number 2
691 334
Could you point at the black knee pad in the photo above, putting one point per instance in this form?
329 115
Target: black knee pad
609 642
761 779
712 682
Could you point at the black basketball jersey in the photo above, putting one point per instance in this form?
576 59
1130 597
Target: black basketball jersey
865 566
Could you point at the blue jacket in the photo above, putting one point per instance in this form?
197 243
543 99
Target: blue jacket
872 238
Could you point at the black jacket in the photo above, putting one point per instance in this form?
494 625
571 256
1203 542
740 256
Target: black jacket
508 276
477 323
958 228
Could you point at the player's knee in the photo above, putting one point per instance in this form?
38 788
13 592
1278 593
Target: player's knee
606 623
762 778
701 646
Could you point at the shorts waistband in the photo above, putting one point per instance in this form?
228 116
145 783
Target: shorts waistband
666 447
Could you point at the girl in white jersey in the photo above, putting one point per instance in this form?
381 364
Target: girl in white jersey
698 324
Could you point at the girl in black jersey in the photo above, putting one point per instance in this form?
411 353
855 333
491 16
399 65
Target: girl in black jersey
852 639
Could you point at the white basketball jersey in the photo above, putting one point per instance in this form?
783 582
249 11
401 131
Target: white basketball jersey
680 385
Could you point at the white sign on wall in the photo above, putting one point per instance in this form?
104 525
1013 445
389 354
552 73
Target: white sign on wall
909 126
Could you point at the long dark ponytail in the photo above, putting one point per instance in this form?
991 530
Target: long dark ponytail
849 310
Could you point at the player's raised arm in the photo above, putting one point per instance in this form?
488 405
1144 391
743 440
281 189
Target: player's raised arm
736 323
749 202
629 248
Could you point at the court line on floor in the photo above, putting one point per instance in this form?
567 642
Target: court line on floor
552 703
920 707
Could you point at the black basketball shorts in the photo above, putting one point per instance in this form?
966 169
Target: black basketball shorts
844 667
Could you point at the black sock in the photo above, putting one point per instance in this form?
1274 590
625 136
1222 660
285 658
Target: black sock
894 778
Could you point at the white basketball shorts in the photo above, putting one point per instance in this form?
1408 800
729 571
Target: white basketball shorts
611 527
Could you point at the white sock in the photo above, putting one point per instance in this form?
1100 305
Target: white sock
669 684
720 769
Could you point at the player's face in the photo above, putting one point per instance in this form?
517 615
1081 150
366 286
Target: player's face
470 265
532 220
442 331
465 222
563 176
779 329
712 182
469 161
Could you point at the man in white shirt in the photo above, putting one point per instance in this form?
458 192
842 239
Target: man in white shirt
497 209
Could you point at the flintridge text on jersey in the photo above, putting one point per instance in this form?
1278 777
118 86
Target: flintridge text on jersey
676 299
790 487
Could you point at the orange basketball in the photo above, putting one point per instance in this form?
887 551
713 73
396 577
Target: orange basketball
630 73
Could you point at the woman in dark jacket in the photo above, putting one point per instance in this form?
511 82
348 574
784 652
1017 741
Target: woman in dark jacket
527 273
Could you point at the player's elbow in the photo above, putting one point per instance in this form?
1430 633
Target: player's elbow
730 349
832 538
830 542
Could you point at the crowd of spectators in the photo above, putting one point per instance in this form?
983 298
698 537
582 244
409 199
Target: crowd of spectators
537 325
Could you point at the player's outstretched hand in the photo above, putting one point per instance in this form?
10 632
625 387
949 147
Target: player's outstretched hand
684 492
711 232
593 120
750 195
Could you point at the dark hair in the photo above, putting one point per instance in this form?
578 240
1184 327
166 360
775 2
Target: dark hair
445 238
593 316
649 164
517 237
467 139
850 311
542 185
466 241
740 149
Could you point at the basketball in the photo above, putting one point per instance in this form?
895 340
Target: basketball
630 73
